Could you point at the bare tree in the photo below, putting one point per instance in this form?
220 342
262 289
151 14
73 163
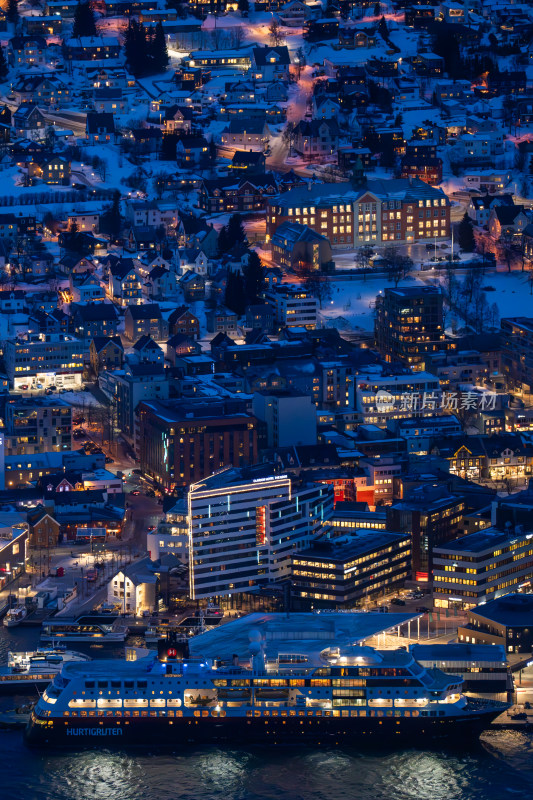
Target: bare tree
274 32
239 36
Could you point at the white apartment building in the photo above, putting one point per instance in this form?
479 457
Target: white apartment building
38 361
379 398
294 306
243 531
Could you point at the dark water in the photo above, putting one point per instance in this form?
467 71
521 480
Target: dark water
501 767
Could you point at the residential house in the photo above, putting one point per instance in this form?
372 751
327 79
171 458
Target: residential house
316 137
270 63
249 134
192 150
507 222
30 51
99 127
85 287
296 246
193 286
148 351
193 259
144 320
106 353
91 48
221 320
28 121
93 319
51 169
183 321
125 285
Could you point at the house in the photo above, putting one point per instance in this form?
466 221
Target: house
82 242
316 137
324 107
183 321
106 353
270 63
73 263
29 51
507 221
143 213
124 283
144 320
196 233
177 119
249 134
296 246
351 37
221 320
193 259
161 282
43 528
260 316
29 121
99 127
147 140
293 14
109 100
479 207
51 169
148 351
181 345
85 287
248 194
277 92
46 90
84 220
93 319
134 588
428 170
249 162
193 286
91 48
192 150
142 238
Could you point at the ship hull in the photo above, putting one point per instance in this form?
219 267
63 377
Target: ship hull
243 731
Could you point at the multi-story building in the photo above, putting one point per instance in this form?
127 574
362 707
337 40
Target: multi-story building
344 572
36 425
409 324
503 621
482 566
243 530
383 212
290 417
432 516
135 383
517 352
37 361
172 534
179 442
294 306
379 398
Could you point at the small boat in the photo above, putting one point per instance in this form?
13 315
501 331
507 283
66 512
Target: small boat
15 616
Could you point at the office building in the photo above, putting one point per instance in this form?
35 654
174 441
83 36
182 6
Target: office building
517 352
294 306
409 324
290 417
344 572
182 442
505 621
432 516
379 398
243 530
483 667
482 566
37 361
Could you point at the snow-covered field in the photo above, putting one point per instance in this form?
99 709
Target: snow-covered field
512 293
354 301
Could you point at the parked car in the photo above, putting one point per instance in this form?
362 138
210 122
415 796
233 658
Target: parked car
423 609
396 601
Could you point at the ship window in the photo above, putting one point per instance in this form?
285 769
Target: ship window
127 684
89 684
116 684
102 684
141 684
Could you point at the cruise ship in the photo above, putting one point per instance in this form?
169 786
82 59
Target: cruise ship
356 694
27 671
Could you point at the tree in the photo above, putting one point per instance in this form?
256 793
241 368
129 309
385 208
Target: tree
244 7
362 258
239 36
84 21
383 29
507 252
377 9
397 264
112 218
158 49
235 296
168 147
253 277
317 284
223 245
274 32
3 65
465 235
12 11
235 230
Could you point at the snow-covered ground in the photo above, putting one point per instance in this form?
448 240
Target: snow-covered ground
512 293
354 301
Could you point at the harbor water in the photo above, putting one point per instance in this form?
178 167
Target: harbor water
501 766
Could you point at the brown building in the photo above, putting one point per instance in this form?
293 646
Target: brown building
381 212
43 529
409 324
182 320
180 443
